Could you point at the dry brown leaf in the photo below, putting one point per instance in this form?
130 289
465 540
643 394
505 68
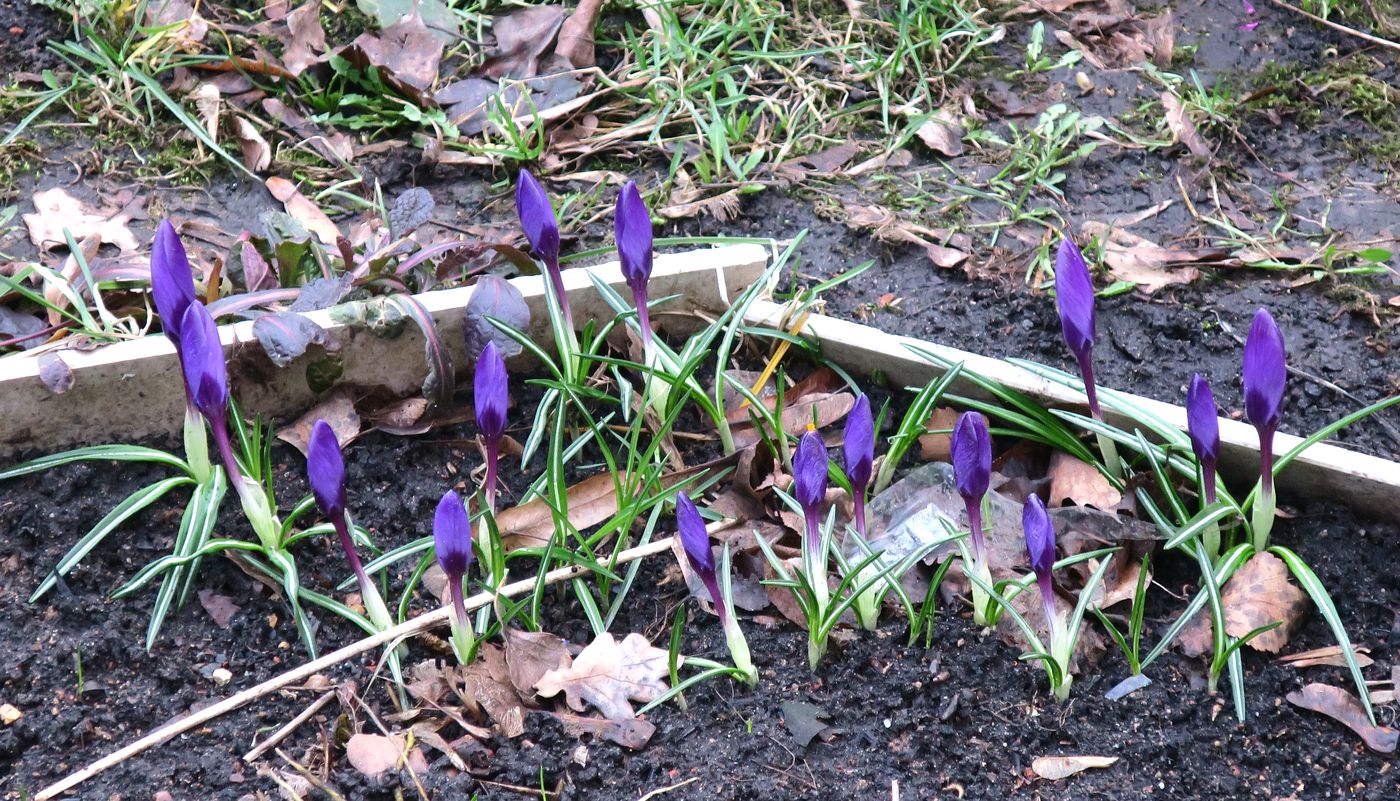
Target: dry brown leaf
208 103
938 447
257 153
530 655
889 227
305 41
591 502
1078 481
1130 257
608 675
1045 7
822 408
407 55
522 38
374 754
575 42
633 734
55 210
1258 594
1344 708
487 681
723 207
337 409
1182 128
221 608
1055 768
334 145
305 212
1331 655
71 272
942 133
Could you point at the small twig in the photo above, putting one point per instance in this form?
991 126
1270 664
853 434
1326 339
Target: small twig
400 632
516 788
663 790
1375 40
291 726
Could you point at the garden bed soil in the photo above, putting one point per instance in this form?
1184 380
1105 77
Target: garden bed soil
961 720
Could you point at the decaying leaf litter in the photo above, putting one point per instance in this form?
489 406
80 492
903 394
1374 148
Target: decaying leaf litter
1130 258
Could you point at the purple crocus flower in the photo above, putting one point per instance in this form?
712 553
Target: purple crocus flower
491 398
542 230
325 470
1074 292
172 285
696 543
971 448
1265 373
206 378
452 540
1204 428
809 467
632 231
859 448
1040 544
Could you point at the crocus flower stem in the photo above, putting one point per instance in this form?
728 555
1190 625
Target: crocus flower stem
1265 504
695 542
196 443
463 635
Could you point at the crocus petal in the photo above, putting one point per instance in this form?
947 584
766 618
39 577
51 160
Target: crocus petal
1074 292
325 470
694 539
172 285
1040 536
632 230
491 393
971 447
1265 372
202 359
452 536
859 444
809 466
1201 420
537 219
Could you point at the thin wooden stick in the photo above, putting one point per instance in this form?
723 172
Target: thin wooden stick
1375 40
403 630
286 731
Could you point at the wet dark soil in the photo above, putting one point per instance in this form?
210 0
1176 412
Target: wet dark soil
963 718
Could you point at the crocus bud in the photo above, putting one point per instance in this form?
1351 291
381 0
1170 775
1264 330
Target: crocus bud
632 231
1265 372
172 285
696 543
859 448
491 397
809 467
1074 293
859 444
325 470
452 540
1204 428
202 360
971 448
1040 544
542 230
452 537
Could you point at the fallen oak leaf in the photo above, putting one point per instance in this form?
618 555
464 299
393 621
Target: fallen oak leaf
530 655
1343 707
1076 480
633 734
56 210
337 409
608 675
1182 127
375 754
1055 768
